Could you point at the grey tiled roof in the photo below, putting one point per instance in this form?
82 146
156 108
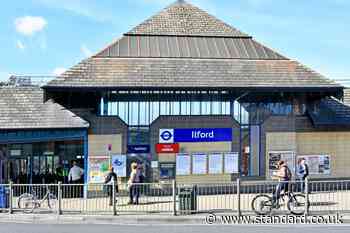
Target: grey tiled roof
347 96
163 72
189 47
331 112
185 47
182 18
23 108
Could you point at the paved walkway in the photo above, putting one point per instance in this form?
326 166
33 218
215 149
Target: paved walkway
326 202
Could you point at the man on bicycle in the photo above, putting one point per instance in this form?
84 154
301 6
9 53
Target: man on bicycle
284 175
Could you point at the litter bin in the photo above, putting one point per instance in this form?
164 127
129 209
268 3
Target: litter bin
188 200
4 197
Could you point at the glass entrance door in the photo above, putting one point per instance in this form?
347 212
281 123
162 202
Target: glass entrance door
19 170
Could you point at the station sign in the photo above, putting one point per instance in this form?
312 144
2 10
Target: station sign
167 148
195 135
138 149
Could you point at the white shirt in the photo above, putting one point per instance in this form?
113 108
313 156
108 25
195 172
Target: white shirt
75 173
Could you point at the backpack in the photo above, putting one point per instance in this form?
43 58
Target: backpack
288 174
306 170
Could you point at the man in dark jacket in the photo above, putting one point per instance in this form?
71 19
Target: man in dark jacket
110 179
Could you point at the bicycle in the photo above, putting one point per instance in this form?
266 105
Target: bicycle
262 204
30 201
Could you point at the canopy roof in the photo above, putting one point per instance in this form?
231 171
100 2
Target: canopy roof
24 108
184 47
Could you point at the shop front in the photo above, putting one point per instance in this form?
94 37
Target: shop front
41 156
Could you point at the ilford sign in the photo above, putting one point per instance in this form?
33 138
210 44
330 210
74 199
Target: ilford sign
195 135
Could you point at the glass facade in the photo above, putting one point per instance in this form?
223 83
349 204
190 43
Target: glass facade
137 113
42 162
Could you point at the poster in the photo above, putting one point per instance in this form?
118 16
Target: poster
318 164
287 156
215 163
199 163
231 162
183 164
98 169
119 165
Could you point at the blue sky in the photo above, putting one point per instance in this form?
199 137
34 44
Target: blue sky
43 37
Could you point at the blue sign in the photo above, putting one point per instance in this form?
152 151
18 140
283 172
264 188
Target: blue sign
195 135
139 149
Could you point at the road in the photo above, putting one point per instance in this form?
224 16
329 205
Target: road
88 228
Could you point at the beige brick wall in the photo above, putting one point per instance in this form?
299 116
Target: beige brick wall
334 144
206 147
167 158
279 142
98 144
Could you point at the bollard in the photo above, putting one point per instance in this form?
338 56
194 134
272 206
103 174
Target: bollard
10 197
59 197
174 197
238 197
306 196
114 197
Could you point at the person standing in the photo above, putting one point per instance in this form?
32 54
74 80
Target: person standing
111 179
133 182
303 173
74 177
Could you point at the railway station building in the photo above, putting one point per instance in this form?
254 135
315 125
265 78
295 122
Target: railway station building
188 96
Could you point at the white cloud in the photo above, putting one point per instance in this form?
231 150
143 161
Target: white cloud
29 25
85 50
20 45
58 71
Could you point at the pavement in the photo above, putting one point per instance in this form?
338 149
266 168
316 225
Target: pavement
92 228
195 219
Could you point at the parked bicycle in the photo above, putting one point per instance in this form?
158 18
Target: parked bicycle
262 204
30 201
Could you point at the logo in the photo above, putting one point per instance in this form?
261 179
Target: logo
117 162
166 135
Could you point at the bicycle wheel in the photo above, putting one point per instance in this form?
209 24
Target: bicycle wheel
296 204
262 204
51 201
26 202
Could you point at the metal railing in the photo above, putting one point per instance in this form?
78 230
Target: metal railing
239 197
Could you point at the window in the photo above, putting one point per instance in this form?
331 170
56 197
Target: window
195 108
142 113
134 113
138 136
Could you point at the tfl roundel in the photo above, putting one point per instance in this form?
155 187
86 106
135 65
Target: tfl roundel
166 135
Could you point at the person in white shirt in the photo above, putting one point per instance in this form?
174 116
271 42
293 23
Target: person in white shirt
75 173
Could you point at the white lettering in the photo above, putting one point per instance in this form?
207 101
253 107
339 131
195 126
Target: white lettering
199 134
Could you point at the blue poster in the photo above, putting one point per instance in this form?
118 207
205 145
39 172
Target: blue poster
119 165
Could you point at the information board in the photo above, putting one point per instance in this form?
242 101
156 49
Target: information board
287 156
231 162
119 165
215 163
318 164
199 163
183 164
98 169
